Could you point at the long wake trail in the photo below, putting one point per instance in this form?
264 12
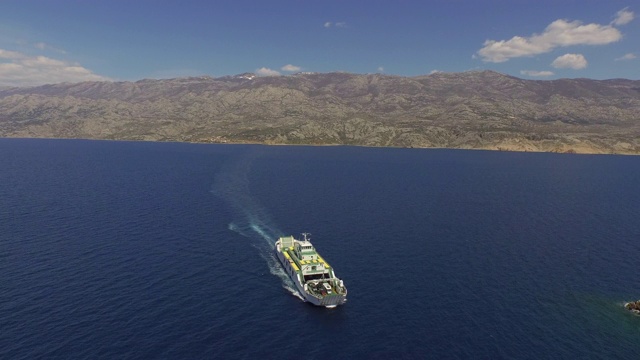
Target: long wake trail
251 219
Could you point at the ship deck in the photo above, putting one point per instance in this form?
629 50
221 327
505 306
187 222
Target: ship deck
297 263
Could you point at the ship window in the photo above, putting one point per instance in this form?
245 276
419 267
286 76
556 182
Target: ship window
313 268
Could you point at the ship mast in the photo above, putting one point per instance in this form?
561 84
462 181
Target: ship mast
305 236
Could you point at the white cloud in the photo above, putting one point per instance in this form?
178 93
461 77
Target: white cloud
536 73
43 46
380 68
290 68
629 56
339 24
176 73
623 17
559 33
11 55
570 61
434 72
263 71
19 69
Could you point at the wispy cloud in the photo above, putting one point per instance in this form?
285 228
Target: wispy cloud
559 33
263 71
434 71
570 61
10 55
629 56
291 68
44 46
623 17
18 69
176 73
536 73
380 68
339 24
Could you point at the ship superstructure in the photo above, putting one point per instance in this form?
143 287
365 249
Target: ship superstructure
313 276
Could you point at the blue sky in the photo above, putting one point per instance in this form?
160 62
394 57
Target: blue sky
64 40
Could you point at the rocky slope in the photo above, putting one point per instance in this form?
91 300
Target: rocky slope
474 110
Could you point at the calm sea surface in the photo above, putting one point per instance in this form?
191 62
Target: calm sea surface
123 250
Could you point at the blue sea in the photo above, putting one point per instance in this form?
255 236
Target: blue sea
136 250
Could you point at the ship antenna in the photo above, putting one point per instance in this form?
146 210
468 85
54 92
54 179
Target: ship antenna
305 236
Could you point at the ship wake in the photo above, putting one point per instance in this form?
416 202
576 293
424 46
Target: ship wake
251 219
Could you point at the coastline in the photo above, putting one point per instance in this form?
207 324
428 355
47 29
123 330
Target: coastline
577 150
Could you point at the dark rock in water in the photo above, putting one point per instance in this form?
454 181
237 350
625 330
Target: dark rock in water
633 306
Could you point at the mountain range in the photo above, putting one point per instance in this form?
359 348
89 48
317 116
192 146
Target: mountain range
468 110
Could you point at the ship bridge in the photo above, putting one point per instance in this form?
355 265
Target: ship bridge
304 256
305 250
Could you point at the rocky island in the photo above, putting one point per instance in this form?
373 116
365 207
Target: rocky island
469 110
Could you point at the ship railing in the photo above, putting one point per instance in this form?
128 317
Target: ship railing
337 291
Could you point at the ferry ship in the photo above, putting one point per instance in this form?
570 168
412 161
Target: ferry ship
314 278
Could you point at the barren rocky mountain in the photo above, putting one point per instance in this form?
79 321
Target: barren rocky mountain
471 110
